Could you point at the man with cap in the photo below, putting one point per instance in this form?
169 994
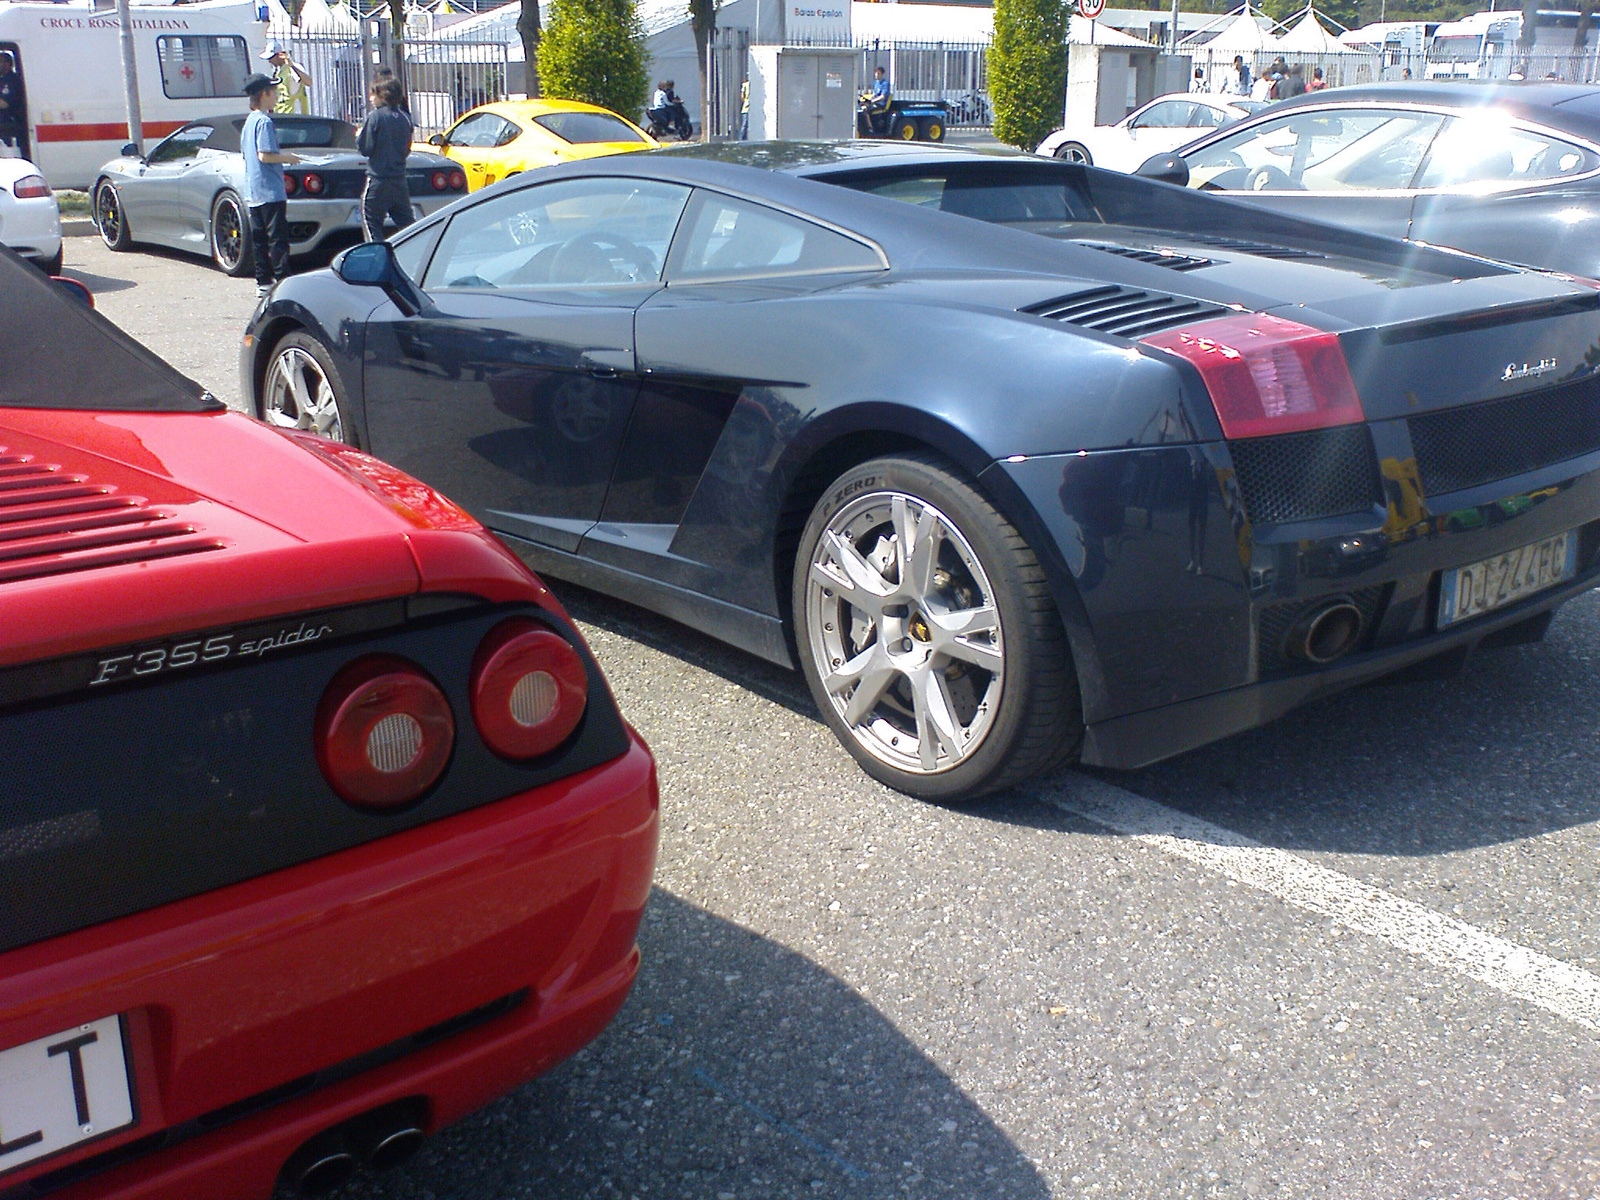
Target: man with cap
264 193
293 80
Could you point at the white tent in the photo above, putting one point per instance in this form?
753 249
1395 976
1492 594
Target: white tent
1241 34
317 17
1309 36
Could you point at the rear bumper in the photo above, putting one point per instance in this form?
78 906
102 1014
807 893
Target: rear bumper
313 222
275 982
31 227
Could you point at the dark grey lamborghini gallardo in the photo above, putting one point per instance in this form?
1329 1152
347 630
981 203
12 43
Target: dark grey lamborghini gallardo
1019 461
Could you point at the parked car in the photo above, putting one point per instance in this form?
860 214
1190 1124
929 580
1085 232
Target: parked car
1507 171
321 827
495 141
1162 125
30 219
1019 461
187 192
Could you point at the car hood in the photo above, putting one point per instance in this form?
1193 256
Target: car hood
120 527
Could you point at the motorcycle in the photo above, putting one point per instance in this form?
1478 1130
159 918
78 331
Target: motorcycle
670 121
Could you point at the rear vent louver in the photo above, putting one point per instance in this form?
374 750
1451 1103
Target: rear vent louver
1125 312
1154 258
54 522
1259 249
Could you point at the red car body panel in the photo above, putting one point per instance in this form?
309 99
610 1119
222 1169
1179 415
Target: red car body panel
236 991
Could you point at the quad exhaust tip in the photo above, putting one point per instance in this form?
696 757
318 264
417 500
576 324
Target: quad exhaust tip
322 1165
1328 632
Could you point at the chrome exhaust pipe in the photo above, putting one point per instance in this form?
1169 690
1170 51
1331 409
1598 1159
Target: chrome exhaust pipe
1329 632
388 1146
322 1165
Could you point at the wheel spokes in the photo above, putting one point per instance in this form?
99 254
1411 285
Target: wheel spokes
871 673
968 634
861 583
938 728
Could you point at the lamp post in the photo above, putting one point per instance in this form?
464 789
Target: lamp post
130 77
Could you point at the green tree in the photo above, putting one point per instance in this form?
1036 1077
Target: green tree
594 51
1028 69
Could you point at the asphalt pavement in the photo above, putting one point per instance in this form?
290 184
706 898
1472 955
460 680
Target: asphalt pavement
1352 954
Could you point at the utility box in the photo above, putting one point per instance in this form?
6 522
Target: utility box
1111 81
803 92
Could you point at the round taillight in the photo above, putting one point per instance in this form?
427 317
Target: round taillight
384 732
458 181
312 184
291 184
440 180
529 688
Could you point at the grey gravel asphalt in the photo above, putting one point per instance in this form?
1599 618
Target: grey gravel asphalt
847 993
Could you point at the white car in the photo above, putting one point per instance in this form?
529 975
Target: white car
30 219
1161 126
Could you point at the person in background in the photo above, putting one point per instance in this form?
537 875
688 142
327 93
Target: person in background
1265 88
1292 84
1198 83
383 73
293 80
385 141
13 106
1405 73
1236 79
264 194
1317 81
744 111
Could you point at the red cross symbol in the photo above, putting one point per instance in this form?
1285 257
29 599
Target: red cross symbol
187 72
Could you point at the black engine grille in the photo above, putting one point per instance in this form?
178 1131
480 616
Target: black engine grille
1126 312
1467 446
1296 476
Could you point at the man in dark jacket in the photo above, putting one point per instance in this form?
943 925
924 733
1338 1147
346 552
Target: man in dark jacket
1292 84
385 140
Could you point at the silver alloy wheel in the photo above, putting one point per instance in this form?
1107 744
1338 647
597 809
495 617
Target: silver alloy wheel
905 633
299 396
1074 153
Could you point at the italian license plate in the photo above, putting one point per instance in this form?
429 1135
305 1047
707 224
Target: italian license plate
62 1090
1485 586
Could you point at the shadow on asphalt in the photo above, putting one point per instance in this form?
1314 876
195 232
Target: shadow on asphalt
737 1068
1504 752
96 283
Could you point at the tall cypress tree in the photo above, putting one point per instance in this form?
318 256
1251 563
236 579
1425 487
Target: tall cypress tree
594 51
1028 69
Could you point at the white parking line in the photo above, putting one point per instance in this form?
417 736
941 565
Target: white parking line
1551 984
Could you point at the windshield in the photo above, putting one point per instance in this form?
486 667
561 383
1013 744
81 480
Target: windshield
1355 150
580 127
1456 48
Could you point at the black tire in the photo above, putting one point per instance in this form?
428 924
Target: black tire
931 129
1037 720
903 129
109 218
1075 152
230 236
300 352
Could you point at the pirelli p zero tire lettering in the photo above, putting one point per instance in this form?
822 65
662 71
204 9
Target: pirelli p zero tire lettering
109 218
302 390
928 635
230 236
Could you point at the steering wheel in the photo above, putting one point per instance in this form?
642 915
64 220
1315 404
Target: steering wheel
1269 179
588 259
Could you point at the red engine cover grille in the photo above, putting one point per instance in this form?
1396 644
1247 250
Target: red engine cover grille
53 522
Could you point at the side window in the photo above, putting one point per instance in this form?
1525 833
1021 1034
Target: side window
412 253
184 144
507 133
736 239
1319 151
575 233
1169 114
1478 150
477 132
195 67
1204 116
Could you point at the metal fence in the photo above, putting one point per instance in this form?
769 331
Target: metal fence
443 77
957 72
730 70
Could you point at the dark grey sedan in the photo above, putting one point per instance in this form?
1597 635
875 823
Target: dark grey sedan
186 193
1507 171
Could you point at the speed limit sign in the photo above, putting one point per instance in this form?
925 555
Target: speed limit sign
1091 8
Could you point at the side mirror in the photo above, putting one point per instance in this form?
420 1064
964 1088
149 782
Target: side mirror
1165 168
130 151
373 264
436 139
74 289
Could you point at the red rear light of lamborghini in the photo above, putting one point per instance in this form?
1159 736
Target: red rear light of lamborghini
1267 375
529 689
384 732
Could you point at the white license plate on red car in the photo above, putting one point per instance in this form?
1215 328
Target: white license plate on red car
1485 586
62 1090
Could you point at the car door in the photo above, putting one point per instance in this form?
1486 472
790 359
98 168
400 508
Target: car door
1510 191
1161 126
1349 165
512 390
153 201
472 142
709 405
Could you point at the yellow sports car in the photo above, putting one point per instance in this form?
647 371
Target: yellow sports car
496 140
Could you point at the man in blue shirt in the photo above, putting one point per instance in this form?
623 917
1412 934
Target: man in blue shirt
878 105
264 194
